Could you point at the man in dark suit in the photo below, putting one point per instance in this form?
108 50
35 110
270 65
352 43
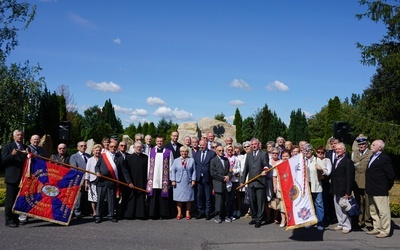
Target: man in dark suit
13 163
342 184
219 168
107 165
122 152
34 147
204 181
62 155
174 145
79 159
329 207
256 163
379 180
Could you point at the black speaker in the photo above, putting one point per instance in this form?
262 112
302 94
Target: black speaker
341 131
64 131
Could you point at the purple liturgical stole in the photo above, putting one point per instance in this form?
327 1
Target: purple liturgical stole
165 175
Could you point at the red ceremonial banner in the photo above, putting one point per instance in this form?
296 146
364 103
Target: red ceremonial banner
48 191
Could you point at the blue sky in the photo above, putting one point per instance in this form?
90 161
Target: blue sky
189 59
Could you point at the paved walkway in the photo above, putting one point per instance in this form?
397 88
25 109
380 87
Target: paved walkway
183 234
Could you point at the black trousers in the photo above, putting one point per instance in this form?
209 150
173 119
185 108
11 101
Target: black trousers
11 194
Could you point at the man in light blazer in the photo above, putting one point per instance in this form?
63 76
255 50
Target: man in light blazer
256 163
342 184
204 181
219 167
12 161
379 180
79 159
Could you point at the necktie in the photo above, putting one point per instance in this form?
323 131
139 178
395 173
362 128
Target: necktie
203 153
84 158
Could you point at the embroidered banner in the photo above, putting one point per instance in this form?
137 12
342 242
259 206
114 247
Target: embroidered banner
48 191
296 194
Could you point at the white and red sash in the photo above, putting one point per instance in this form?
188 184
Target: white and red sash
110 164
108 160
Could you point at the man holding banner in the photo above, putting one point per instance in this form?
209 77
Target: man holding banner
256 163
13 161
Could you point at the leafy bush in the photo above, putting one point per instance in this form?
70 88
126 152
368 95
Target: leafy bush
395 209
2 197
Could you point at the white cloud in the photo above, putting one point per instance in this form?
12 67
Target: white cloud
121 110
230 119
103 86
163 112
117 40
176 114
307 114
277 85
140 112
182 115
129 111
81 21
236 103
134 118
153 101
240 84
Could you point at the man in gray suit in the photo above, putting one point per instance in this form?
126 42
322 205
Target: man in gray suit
219 167
79 159
256 163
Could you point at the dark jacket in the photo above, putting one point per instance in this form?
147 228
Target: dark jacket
203 168
101 167
218 173
176 153
13 165
342 177
379 176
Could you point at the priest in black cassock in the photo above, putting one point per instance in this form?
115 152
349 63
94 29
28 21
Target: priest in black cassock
135 172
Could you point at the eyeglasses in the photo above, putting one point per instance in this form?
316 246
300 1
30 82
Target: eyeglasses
213 147
83 145
246 146
61 148
320 152
122 145
112 146
274 153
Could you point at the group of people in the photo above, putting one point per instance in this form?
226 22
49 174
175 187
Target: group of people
209 180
